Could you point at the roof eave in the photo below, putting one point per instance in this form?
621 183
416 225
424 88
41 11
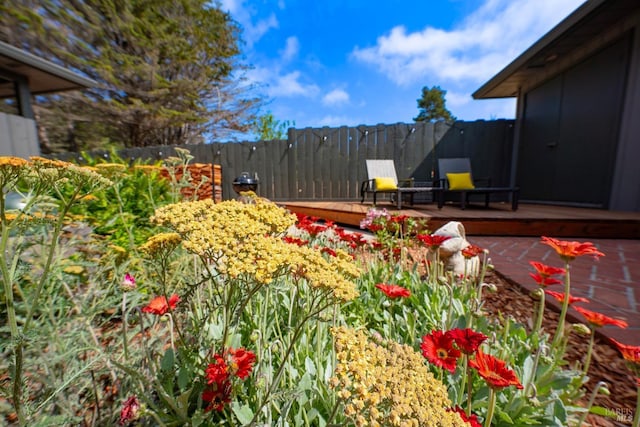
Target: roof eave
489 89
75 80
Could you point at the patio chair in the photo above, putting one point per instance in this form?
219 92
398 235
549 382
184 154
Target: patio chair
456 178
383 179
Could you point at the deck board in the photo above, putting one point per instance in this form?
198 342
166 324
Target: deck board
497 220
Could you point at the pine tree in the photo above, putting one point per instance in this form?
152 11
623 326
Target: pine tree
168 72
432 106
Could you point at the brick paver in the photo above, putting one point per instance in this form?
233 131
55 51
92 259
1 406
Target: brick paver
612 283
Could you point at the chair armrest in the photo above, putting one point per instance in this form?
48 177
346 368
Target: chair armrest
368 185
441 183
406 182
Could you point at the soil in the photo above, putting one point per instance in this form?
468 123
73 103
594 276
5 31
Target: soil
606 365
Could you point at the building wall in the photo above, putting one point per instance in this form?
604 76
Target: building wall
625 194
616 169
18 136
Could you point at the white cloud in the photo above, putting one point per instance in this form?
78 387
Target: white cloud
252 32
479 47
291 49
290 84
336 97
457 99
337 121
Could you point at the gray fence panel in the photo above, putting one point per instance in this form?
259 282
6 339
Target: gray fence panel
329 163
292 163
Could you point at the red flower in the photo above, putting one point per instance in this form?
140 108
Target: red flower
295 241
431 240
394 291
329 251
398 219
630 353
437 348
544 272
467 340
472 420
568 251
217 396
494 371
471 251
129 411
544 281
242 362
375 227
560 297
217 372
599 319
159 305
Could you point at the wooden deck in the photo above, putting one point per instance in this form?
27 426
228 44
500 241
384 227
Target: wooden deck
497 220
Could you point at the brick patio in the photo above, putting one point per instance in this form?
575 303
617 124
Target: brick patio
612 283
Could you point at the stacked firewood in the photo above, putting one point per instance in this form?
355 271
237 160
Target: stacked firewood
212 188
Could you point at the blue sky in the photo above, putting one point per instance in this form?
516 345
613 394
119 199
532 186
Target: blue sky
353 62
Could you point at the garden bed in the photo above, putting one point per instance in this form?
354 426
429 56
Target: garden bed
607 365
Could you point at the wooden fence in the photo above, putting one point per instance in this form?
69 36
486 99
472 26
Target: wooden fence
329 163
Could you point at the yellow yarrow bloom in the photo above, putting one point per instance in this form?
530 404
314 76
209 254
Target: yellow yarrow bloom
244 240
74 269
388 384
161 244
56 172
111 170
12 169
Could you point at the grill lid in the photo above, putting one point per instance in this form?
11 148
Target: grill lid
245 179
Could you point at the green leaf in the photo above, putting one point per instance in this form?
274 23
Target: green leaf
305 382
310 366
243 413
167 360
605 412
312 415
184 378
504 416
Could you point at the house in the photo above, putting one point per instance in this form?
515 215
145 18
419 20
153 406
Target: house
577 132
23 75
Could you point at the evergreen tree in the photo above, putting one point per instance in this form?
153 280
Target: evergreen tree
432 107
168 72
268 128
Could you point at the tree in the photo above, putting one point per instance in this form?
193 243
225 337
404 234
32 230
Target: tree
432 106
167 72
267 127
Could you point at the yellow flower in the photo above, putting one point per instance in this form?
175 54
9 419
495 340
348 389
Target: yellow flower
244 240
161 244
74 269
388 382
111 170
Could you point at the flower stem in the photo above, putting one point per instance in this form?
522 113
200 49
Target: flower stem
491 408
592 399
636 417
124 326
563 313
465 371
469 386
587 360
541 305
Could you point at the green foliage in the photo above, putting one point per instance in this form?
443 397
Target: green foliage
268 128
166 72
121 211
431 106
